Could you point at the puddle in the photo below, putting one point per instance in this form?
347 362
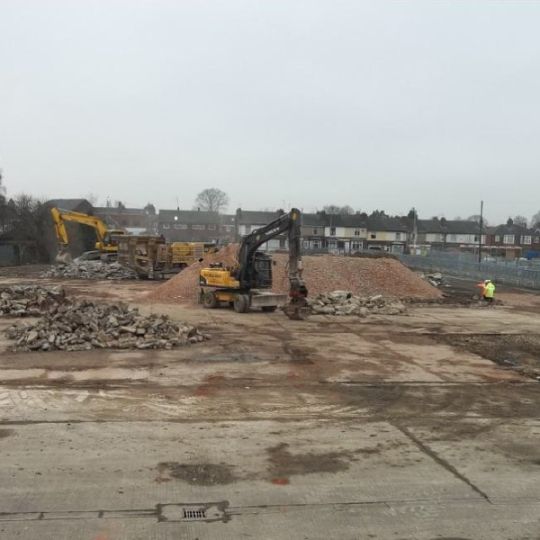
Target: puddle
202 474
284 464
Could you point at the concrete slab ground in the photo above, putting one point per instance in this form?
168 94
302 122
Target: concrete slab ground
329 428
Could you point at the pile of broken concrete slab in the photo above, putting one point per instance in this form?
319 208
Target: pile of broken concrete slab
344 303
29 300
90 270
84 325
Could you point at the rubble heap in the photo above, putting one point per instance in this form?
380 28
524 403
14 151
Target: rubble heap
322 273
84 325
29 300
90 270
346 303
436 279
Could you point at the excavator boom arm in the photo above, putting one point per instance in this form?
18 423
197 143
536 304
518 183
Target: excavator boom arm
289 223
61 216
59 227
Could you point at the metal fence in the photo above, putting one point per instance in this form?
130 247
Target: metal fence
517 273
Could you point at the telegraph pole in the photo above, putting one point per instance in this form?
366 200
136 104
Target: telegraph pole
481 231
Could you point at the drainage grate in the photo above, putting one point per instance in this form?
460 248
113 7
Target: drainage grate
192 514
202 512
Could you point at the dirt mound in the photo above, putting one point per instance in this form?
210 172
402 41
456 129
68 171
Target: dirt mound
322 273
361 276
184 287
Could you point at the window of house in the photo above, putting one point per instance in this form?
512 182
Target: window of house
316 244
198 227
356 245
373 236
315 232
356 232
332 244
211 227
526 240
497 238
452 238
181 226
398 236
305 243
166 226
508 239
332 231
537 239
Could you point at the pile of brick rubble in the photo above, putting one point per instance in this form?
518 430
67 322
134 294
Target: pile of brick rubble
29 300
75 325
346 303
90 270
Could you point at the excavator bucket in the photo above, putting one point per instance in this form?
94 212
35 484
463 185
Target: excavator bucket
63 257
297 310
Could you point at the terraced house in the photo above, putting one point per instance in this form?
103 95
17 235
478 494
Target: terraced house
513 241
196 226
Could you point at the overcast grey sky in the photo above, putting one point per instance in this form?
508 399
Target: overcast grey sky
373 104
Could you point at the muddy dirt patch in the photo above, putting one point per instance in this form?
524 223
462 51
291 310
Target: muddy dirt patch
201 474
284 464
519 352
5 433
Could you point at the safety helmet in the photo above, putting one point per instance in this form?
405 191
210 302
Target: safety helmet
487 281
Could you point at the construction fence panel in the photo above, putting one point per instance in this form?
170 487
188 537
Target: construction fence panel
517 273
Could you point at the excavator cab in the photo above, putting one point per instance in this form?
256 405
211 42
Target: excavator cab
261 277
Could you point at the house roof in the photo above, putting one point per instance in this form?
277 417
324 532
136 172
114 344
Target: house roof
195 216
452 226
512 229
462 227
387 224
251 217
430 226
346 220
313 220
116 210
69 204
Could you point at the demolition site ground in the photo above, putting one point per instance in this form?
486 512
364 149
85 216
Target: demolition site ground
423 425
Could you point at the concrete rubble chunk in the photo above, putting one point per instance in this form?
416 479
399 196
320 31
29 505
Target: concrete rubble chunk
29 300
90 270
82 325
344 303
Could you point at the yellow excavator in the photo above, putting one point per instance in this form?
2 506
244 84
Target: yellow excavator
246 284
105 237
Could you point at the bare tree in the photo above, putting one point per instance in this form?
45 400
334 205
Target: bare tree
476 218
212 200
28 219
2 187
535 220
150 209
92 198
521 221
335 209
